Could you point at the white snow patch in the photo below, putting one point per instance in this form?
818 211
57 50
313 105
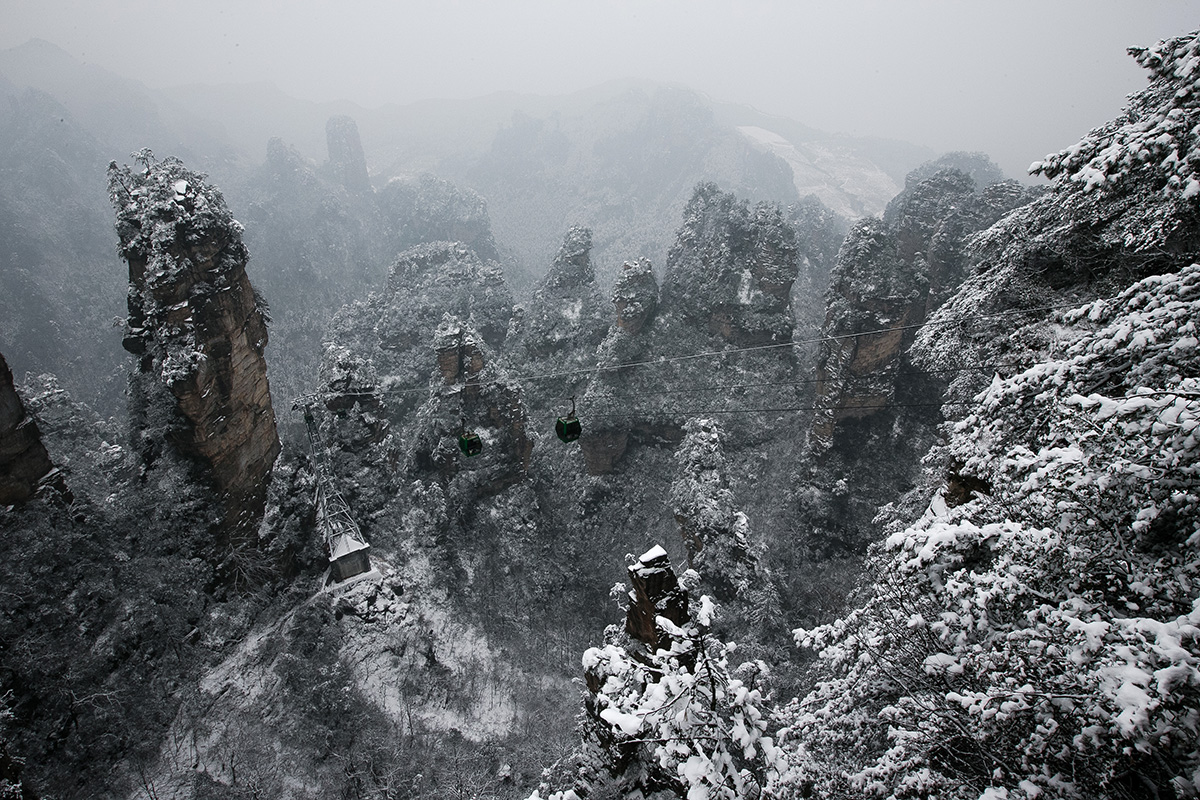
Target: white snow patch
746 288
653 553
843 180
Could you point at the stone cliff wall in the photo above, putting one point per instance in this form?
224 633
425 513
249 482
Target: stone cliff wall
199 330
24 462
890 275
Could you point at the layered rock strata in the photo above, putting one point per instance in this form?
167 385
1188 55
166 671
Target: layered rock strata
199 331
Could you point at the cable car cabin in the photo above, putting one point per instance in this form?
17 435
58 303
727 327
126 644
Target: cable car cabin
568 428
348 557
470 444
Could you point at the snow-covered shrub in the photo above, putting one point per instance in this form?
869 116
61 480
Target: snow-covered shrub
1156 134
674 716
1042 638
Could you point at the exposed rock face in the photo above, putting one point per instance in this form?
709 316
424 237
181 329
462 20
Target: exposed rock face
351 392
567 311
654 592
199 330
346 157
24 462
728 286
474 396
890 275
731 269
635 296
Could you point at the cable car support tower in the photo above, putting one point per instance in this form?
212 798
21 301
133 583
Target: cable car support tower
348 552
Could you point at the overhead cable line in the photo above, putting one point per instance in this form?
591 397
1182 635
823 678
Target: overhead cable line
701 412
597 368
802 382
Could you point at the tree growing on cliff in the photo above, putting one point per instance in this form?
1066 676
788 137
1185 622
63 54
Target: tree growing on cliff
666 713
1040 636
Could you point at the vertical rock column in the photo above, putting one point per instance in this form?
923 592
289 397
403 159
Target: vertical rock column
23 459
200 332
346 156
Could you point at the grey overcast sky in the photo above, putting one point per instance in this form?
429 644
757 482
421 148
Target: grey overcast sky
1014 78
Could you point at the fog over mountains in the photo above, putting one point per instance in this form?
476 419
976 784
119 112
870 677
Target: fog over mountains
621 443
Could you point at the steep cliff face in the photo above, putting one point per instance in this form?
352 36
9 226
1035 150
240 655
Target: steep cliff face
819 235
891 273
199 331
347 161
635 301
728 286
635 296
567 311
731 269
470 395
24 462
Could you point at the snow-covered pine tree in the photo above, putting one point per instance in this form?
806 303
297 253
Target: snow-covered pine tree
1036 632
665 714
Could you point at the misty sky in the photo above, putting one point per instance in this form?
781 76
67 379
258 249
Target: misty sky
1014 78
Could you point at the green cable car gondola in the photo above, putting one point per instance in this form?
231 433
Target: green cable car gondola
470 444
469 441
569 428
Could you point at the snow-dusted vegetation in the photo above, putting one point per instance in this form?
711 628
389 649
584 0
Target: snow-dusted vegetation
1044 636
916 495
1028 622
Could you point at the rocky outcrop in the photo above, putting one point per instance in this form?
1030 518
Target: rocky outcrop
731 269
24 462
654 592
424 208
890 275
567 312
728 287
346 157
392 327
635 296
471 395
199 331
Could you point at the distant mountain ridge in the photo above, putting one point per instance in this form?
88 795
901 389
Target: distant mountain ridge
222 127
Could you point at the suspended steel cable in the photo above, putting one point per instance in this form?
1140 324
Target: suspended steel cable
598 368
802 382
705 411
